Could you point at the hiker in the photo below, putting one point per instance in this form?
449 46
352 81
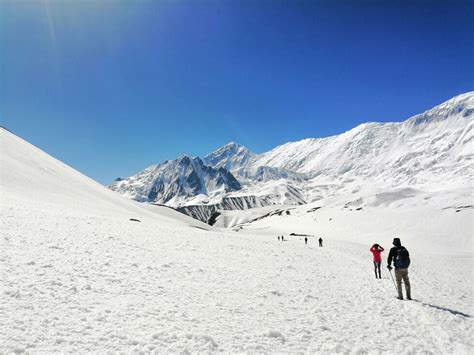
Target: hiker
401 260
306 240
278 238
282 238
320 241
377 250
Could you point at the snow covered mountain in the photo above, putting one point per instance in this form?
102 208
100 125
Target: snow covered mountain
435 146
430 149
241 162
231 156
199 190
175 181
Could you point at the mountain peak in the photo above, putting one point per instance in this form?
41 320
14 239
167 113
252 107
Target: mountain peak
187 160
232 144
230 156
460 105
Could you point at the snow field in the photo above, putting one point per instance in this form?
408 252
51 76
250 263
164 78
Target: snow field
76 283
429 221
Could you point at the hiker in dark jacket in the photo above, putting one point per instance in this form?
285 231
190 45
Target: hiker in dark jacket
401 260
320 241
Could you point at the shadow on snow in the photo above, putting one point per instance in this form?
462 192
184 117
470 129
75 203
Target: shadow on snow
452 311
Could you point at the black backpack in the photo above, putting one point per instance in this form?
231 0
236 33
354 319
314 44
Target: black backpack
402 259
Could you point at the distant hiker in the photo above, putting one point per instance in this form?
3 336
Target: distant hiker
278 238
401 260
320 241
377 250
306 240
282 238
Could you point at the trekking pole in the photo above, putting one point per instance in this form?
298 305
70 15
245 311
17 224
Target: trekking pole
390 270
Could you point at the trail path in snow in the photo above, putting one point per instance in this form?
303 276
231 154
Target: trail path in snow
76 283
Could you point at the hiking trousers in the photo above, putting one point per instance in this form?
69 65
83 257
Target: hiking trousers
402 274
377 267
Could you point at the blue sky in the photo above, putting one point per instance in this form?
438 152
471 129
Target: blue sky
111 87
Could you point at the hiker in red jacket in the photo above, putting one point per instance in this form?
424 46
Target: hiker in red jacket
376 250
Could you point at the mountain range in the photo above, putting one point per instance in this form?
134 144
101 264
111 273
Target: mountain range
431 149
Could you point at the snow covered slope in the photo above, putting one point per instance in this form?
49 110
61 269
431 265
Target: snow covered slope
428 220
29 176
433 147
